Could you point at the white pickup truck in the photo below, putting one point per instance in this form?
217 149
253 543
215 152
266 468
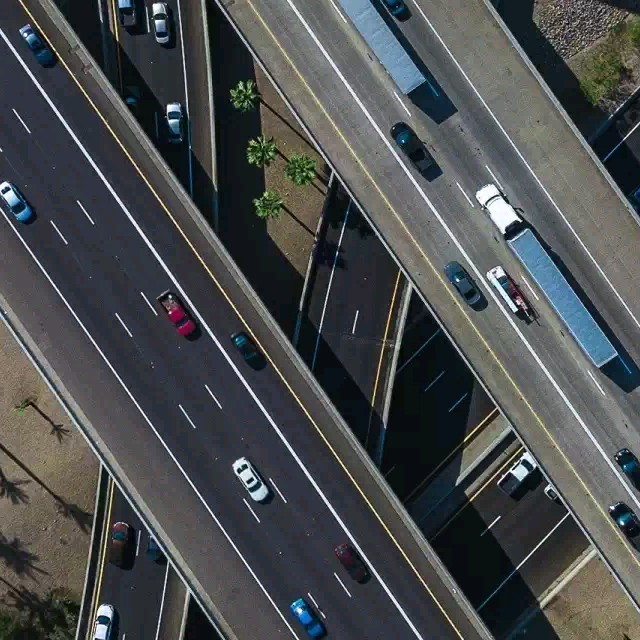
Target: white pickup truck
513 479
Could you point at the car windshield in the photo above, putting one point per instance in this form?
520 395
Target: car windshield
120 535
417 154
469 293
17 207
103 620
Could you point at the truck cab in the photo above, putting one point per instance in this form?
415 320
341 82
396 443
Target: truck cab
127 13
502 214
514 479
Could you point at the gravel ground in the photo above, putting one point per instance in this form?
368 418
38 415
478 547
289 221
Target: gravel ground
48 478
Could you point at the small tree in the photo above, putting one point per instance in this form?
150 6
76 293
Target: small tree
245 95
268 205
23 405
301 169
261 151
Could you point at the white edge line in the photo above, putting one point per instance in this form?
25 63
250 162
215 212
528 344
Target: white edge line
186 102
124 326
149 303
86 213
342 584
596 383
211 394
253 513
164 591
275 486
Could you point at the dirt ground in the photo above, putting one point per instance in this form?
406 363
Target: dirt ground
591 606
48 479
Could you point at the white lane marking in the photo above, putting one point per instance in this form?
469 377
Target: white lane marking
1 151
596 383
186 103
620 143
533 293
315 604
434 381
149 303
355 321
146 13
275 486
338 11
404 106
342 585
455 404
211 394
491 525
85 212
124 326
428 340
566 515
124 636
464 193
155 117
253 513
53 224
526 164
493 175
186 298
138 542
164 591
22 122
186 415
326 298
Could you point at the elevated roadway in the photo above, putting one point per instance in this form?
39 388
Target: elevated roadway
114 229
487 120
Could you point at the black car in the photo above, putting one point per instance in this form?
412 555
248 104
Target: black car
462 281
629 465
405 137
248 349
626 520
396 7
43 54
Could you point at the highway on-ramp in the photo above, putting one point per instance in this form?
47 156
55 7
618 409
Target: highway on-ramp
170 415
573 416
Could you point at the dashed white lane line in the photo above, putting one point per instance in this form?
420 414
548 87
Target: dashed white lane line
149 303
22 122
155 117
138 542
596 383
253 513
342 585
355 321
53 224
186 415
86 213
275 486
491 525
124 326
427 341
211 394
464 193
146 13
493 175
533 293
404 106
458 402
315 604
434 380
164 591
620 143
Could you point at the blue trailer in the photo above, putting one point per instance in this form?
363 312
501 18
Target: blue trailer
562 297
384 44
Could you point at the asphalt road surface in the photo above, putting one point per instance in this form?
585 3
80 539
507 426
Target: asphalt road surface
505 553
172 414
573 416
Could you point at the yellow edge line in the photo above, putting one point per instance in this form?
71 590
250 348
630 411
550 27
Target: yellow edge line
276 369
116 35
103 552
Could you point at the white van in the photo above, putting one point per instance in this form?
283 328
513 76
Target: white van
500 211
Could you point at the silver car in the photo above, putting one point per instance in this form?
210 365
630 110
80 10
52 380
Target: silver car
104 622
251 479
161 22
174 117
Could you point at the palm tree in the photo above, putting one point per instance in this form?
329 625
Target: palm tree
301 169
268 205
261 151
245 95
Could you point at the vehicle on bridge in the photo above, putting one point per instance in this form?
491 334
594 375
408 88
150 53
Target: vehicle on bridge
510 292
307 618
627 522
537 261
104 622
629 465
177 313
34 41
513 481
15 202
127 13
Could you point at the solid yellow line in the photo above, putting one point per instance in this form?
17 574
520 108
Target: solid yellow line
276 369
103 551
384 342
448 457
476 494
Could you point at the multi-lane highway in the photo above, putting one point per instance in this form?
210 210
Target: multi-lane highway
573 416
170 415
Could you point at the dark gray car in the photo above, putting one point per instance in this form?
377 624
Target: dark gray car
405 137
463 282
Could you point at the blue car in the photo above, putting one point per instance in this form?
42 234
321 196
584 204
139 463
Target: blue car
15 202
396 7
307 618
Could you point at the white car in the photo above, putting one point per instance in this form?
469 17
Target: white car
251 479
104 622
173 115
161 23
15 201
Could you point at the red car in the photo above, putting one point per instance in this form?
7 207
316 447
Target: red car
350 560
120 547
177 313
